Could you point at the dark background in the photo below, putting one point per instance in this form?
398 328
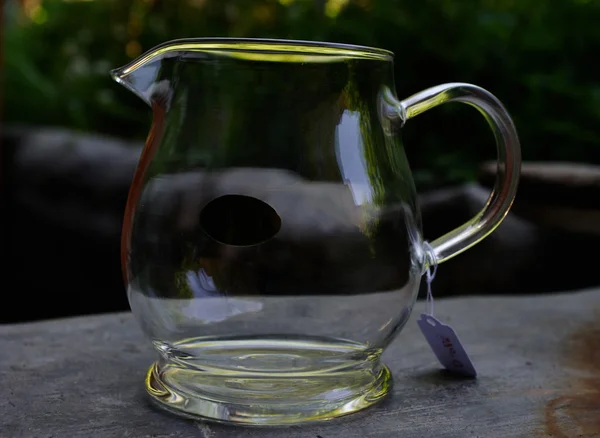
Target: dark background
71 136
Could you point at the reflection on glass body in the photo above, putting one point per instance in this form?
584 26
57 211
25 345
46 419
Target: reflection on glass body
307 140
271 228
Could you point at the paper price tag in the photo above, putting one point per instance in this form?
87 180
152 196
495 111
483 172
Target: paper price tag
447 347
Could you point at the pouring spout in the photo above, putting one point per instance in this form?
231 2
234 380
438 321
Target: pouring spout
139 78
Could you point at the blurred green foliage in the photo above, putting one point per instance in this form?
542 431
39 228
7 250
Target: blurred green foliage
537 56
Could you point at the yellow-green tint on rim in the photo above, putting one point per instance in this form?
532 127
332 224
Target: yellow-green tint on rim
262 50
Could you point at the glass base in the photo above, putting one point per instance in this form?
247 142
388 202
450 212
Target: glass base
266 382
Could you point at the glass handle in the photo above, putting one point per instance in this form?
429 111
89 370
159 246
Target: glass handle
509 161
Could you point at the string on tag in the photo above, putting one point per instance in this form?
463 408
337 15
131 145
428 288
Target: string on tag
442 339
430 276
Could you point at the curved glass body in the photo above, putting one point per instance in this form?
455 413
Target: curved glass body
271 245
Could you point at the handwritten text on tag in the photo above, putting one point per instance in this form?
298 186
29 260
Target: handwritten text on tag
447 347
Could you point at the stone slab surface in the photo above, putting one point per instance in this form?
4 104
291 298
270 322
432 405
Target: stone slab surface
538 360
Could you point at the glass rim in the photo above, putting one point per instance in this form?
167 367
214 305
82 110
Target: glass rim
267 49
275 45
253 49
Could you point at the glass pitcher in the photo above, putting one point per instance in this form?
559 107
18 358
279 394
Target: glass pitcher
272 245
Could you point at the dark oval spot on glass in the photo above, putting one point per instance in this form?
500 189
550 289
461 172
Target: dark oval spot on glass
239 220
